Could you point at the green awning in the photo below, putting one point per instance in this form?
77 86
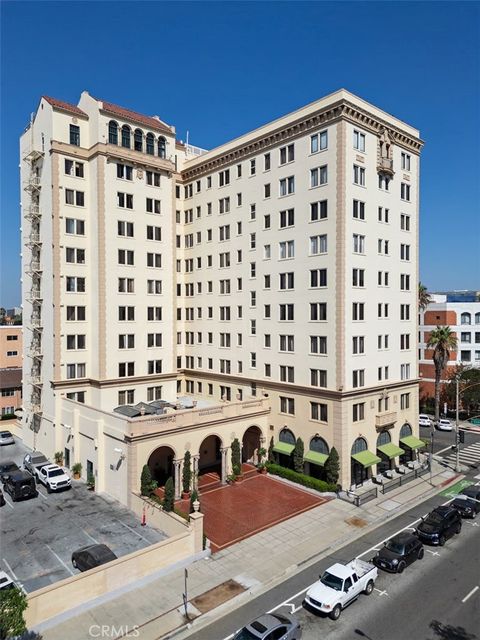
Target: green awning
412 442
366 458
284 447
390 450
315 457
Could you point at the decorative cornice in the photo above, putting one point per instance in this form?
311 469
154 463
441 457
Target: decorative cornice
343 109
111 382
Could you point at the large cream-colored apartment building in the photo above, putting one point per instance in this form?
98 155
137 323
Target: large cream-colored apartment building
272 279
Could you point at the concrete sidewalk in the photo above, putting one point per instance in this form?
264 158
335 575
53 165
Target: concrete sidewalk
155 609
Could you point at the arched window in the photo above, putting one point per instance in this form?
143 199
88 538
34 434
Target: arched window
360 444
466 318
383 438
286 436
477 318
112 132
126 136
405 431
138 140
162 147
319 445
150 139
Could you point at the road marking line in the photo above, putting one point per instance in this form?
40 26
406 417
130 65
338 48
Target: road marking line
7 502
15 577
60 560
434 553
89 536
437 453
133 531
287 601
381 593
10 569
41 494
470 594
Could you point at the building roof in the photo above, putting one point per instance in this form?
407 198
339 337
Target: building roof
11 378
148 121
65 106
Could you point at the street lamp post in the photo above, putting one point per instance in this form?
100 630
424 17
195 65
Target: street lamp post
457 421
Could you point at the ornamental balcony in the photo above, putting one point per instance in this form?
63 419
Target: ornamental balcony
385 419
385 165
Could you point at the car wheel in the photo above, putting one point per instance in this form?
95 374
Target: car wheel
441 541
401 567
48 489
368 588
337 610
420 554
459 528
74 562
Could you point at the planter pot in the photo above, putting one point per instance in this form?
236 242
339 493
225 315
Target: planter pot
76 476
239 478
263 470
185 495
91 487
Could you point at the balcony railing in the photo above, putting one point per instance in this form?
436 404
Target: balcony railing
385 165
33 211
385 419
33 184
36 380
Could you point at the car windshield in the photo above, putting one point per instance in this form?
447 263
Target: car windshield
332 581
245 634
433 518
55 472
396 547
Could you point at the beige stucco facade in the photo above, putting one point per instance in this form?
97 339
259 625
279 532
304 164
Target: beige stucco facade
281 266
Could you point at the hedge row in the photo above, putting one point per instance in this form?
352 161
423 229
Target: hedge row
8 416
300 478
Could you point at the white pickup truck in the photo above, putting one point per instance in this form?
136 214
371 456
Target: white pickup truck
340 585
53 477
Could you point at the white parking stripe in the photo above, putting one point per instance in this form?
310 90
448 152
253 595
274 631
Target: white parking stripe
133 531
60 560
40 493
470 594
9 504
89 536
10 569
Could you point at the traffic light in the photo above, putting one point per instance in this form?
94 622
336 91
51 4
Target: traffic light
461 436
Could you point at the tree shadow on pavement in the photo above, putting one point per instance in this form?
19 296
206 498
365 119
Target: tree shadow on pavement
449 632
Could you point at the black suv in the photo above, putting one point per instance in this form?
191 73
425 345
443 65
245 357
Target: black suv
440 524
20 485
398 552
92 556
469 505
6 468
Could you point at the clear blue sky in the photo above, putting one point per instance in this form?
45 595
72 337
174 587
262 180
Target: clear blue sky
221 69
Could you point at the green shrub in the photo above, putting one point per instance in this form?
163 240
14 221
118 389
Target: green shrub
187 472
298 455
13 603
332 467
169 497
8 416
300 478
236 462
271 452
146 482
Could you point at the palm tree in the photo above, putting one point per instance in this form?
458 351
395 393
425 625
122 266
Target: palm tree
424 298
442 340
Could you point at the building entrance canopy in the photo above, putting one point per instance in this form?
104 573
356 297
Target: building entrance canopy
366 458
314 457
390 450
412 442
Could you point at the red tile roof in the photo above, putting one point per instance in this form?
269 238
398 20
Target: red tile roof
65 106
133 116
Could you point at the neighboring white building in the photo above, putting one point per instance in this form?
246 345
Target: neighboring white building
460 310
283 264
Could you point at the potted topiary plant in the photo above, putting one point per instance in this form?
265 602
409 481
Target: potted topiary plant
186 475
77 470
58 457
236 460
237 472
261 453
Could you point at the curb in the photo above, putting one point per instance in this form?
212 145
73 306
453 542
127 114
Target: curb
235 603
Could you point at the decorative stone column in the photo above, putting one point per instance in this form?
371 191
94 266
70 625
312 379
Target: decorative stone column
195 460
224 453
177 465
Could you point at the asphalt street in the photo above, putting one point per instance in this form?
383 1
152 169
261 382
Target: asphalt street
435 598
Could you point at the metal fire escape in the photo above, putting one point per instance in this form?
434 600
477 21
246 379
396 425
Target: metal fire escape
34 270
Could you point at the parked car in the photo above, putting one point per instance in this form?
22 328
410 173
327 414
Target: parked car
6 438
424 420
92 556
53 477
444 425
467 503
2 498
340 585
398 552
6 468
271 626
34 459
5 581
440 524
20 485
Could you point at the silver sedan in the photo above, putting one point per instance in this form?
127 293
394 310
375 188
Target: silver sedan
6 438
271 626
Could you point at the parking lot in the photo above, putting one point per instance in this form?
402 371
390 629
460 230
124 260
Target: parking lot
39 535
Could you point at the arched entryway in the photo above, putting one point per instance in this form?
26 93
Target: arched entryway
360 473
316 457
409 454
250 444
160 463
210 456
285 447
386 463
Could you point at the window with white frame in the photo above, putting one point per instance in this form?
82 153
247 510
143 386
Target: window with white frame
318 210
358 140
319 142
287 186
286 249
359 210
318 176
358 243
318 244
359 175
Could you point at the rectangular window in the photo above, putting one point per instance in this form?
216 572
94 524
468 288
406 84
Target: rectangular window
404 401
286 312
286 250
359 175
319 411
318 244
358 243
287 343
358 140
359 210
405 161
75 135
318 142
405 252
405 191
287 405
287 186
358 311
318 176
358 345
287 281
125 228
318 345
74 226
404 222
358 277
318 378
287 374
318 311
253 167
318 278
287 154
266 162
318 210
287 218
358 378
358 412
